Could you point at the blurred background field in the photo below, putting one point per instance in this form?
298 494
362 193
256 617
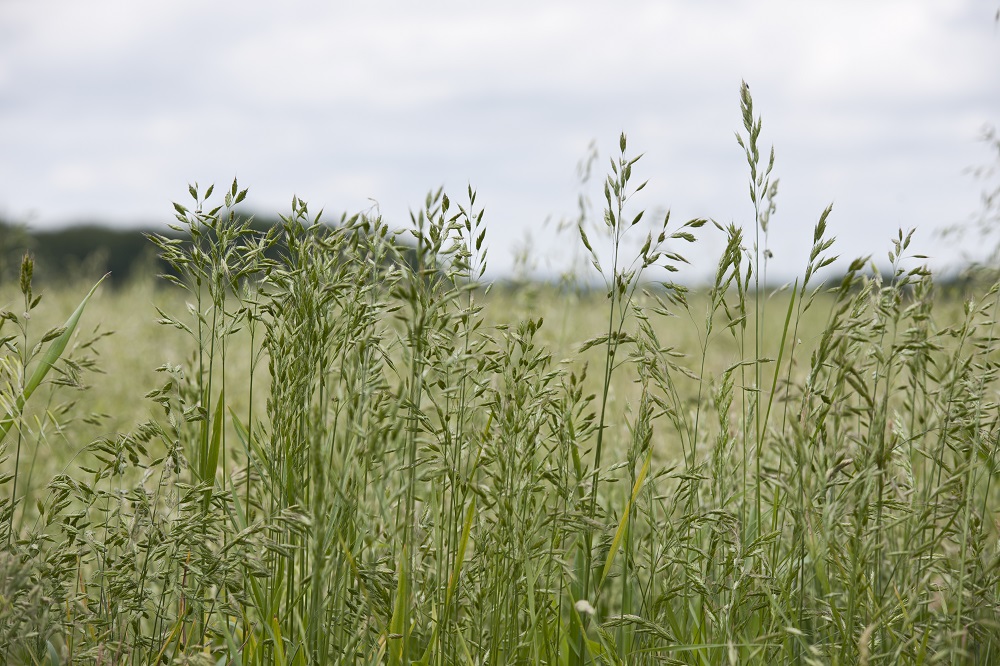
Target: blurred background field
129 343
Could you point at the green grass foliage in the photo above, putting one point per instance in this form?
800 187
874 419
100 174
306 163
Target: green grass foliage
354 453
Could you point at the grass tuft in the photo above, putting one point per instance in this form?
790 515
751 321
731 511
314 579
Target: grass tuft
355 454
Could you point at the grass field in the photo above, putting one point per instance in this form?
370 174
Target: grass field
357 454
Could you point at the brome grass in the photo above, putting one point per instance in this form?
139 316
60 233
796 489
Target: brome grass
359 457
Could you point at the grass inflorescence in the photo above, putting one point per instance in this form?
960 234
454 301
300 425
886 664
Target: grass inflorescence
362 458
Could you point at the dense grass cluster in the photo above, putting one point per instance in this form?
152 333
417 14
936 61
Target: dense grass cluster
360 462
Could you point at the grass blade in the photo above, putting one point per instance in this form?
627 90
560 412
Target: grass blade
623 523
45 364
396 623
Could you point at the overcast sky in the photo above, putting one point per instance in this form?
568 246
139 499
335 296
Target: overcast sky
109 109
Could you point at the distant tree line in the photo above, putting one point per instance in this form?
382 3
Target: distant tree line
86 251
89 250
76 252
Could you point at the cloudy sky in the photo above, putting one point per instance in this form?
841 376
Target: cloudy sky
109 109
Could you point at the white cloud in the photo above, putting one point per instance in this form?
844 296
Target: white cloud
109 108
